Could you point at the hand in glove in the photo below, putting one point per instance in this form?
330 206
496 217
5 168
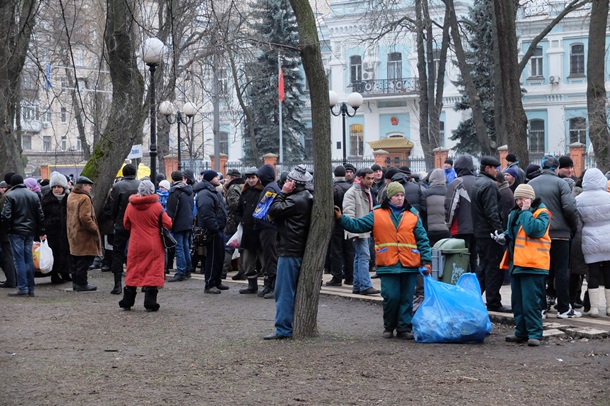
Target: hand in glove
500 238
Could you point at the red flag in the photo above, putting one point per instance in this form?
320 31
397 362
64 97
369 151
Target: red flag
280 85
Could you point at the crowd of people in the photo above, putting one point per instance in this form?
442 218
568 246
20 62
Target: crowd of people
541 230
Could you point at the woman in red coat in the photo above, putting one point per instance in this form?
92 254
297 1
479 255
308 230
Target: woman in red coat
146 256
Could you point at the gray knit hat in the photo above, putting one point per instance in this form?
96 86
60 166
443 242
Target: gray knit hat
146 188
300 175
57 179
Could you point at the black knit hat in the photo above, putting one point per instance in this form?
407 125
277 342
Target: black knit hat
340 171
392 170
565 162
350 167
511 158
376 167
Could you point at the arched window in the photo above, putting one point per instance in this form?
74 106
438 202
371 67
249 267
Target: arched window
355 69
356 140
394 65
577 60
578 130
535 136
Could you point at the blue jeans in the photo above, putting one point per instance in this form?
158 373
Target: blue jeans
362 256
183 251
288 269
24 263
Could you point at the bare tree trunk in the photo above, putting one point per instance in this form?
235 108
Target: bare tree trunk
246 109
127 112
515 119
17 20
471 90
437 98
424 104
308 291
596 87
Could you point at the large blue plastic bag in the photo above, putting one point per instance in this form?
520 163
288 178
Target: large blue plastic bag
451 313
260 212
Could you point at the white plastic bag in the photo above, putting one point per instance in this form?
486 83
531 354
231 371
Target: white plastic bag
235 240
46 257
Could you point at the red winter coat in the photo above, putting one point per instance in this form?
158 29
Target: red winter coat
146 255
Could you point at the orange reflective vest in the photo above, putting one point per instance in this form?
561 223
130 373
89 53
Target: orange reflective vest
395 244
531 252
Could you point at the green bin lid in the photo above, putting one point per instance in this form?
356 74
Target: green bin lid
451 246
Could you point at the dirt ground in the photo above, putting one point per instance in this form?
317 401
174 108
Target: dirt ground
66 348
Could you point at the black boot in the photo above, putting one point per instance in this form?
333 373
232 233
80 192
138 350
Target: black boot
252 287
117 284
150 299
129 297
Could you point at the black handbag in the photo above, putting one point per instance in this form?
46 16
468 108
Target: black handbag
166 236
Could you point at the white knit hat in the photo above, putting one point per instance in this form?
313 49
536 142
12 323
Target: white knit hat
57 179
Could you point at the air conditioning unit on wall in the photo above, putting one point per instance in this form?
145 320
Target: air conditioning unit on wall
368 75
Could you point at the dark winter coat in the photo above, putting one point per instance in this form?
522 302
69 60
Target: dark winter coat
146 256
266 174
557 197
232 192
507 202
340 186
485 206
292 214
120 198
211 211
243 214
458 201
435 201
22 212
179 207
55 223
83 233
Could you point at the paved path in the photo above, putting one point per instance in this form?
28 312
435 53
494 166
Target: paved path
585 326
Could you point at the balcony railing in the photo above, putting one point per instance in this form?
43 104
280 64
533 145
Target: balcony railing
377 87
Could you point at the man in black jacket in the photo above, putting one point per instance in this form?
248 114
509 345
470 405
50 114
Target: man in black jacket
250 246
212 216
120 198
341 251
6 251
291 210
267 233
485 209
22 212
180 209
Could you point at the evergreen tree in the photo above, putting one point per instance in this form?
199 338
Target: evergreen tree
481 60
276 29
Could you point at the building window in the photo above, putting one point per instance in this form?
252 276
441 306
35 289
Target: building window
222 81
46 143
355 69
26 142
64 115
535 136
441 132
577 60
394 65
29 112
64 143
79 146
536 63
308 143
578 130
47 116
356 140
224 142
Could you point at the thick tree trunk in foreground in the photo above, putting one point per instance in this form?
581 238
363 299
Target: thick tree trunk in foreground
308 292
17 20
596 86
507 67
127 112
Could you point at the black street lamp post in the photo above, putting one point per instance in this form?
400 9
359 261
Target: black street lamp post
152 55
168 109
355 101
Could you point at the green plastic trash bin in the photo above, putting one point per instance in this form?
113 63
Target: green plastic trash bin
450 259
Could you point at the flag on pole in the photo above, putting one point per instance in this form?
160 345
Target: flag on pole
280 85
